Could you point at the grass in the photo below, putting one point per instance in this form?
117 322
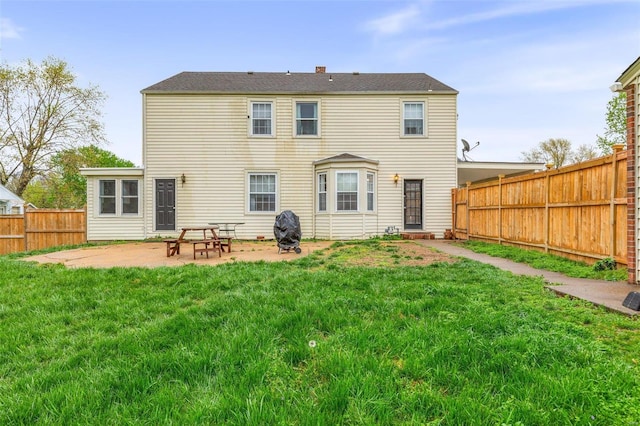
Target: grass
308 342
546 261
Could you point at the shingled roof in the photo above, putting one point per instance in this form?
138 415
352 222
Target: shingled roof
307 83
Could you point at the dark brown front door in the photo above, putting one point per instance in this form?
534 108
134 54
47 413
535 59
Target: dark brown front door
413 204
165 204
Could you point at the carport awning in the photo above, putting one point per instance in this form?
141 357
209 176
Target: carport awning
475 171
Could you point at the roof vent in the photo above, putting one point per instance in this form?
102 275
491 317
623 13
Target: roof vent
356 73
321 69
250 72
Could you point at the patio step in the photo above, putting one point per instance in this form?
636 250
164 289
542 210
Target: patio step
418 236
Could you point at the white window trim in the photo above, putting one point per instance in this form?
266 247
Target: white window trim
325 192
295 118
424 118
248 175
122 197
335 197
273 121
375 204
118 197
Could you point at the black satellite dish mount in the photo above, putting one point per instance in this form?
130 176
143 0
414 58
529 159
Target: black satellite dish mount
466 148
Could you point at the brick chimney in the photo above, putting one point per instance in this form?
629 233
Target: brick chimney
321 69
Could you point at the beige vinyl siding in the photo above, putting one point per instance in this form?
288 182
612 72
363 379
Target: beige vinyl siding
106 228
206 138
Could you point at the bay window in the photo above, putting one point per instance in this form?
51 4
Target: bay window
347 191
322 192
370 191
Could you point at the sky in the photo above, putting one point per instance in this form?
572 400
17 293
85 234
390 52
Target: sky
526 71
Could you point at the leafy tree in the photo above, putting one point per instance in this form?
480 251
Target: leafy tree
43 112
63 186
616 119
551 151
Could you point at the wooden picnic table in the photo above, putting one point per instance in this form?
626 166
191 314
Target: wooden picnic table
209 237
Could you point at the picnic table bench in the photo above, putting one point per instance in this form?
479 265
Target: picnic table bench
209 241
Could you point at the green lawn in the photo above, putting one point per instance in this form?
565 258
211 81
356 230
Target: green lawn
311 342
549 262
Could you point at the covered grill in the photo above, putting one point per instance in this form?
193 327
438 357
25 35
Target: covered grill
287 231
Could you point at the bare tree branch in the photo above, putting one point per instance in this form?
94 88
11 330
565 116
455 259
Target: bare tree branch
43 112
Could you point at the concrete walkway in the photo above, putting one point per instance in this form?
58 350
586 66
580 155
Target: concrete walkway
609 294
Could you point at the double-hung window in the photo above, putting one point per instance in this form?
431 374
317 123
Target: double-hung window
118 196
262 192
107 197
322 192
262 119
370 191
306 118
129 197
413 118
347 191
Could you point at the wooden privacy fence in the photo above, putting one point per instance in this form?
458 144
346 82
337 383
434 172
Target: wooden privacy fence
42 228
579 211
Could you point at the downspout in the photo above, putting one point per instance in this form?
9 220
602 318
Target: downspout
144 162
314 202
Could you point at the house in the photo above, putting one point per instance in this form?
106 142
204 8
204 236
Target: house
352 154
629 82
10 203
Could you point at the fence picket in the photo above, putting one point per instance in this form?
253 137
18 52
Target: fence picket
577 211
42 228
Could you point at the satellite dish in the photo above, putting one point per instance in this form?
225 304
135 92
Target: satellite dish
466 148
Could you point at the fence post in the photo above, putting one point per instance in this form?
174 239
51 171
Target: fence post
25 222
500 177
454 203
547 224
468 210
612 204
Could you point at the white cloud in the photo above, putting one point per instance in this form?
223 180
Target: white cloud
509 10
398 22
9 30
394 23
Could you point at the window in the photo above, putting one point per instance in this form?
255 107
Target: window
322 192
261 119
262 192
118 196
347 191
370 191
129 197
107 197
413 118
306 118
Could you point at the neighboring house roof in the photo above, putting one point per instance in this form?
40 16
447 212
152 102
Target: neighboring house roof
6 195
271 82
631 71
475 171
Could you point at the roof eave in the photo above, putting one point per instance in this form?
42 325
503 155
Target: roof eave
306 93
628 74
112 171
